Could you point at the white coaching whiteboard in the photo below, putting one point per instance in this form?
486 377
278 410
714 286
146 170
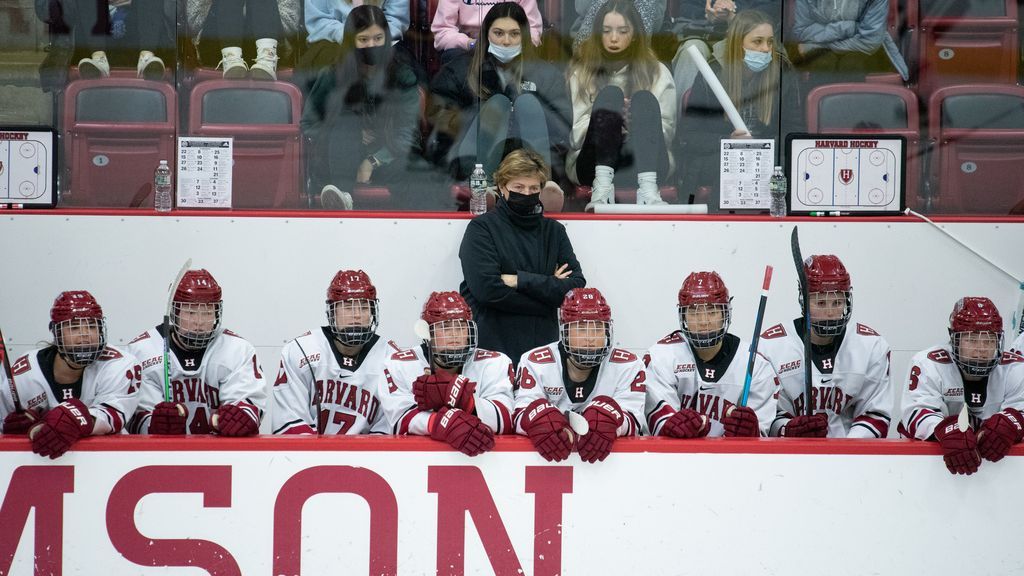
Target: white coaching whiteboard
27 175
846 173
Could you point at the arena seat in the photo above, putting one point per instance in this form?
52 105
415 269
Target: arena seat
977 134
960 42
116 131
871 108
263 118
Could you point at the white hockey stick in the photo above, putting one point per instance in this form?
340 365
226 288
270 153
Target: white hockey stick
167 328
716 87
577 422
10 374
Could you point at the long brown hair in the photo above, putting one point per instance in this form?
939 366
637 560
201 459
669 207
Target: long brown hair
483 44
733 68
589 63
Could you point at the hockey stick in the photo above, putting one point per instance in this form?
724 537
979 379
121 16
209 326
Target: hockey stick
312 383
757 334
10 375
167 328
799 261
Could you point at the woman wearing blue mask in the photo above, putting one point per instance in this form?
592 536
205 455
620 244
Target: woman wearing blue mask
497 98
361 114
751 73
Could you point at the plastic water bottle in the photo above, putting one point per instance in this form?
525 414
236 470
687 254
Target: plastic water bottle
777 187
162 187
478 191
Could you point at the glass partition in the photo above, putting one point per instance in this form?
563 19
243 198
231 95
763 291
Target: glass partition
390 104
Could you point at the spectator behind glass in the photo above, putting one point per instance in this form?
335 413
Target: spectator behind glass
517 265
325 24
844 40
231 23
361 114
497 92
750 74
457 24
84 30
623 109
652 12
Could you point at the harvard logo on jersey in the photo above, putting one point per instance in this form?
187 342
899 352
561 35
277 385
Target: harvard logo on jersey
230 333
67 394
709 373
21 365
190 362
484 355
542 356
347 361
140 338
109 354
826 364
620 356
776 331
404 355
671 338
865 330
1010 357
940 356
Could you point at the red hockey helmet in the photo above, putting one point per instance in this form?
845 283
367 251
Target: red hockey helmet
356 296
78 326
585 326
453 333
976 335
826 274
704 299
196 310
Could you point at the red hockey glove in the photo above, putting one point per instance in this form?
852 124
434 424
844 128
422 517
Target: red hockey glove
237 420
686 423
999 433
548 430
814 426
19 422
604 417
960 449
168 419
741 422
462 431
60 428
435 391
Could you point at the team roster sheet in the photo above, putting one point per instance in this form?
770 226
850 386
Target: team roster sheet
204 172
746 168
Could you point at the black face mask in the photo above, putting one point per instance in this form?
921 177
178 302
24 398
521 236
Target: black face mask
371 56
524 204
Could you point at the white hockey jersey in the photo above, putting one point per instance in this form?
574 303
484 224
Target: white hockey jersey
226 371
935 389
492 372
621 376
349 391
109 387
851 382
1018 344
676 377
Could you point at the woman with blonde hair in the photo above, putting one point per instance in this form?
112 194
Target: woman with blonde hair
623 108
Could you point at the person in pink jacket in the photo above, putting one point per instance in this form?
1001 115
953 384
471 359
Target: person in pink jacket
456 24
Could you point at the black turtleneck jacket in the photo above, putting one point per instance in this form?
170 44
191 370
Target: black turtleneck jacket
510 320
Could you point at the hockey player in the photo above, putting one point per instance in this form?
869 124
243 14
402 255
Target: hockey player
216 384
850 397
970 368
448 388
76 387
583 373
696 374
345 359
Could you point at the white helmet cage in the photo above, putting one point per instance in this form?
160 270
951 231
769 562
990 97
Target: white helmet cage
68 335
705 339
586 357
459 338
193 337
355 334
976 365
829 326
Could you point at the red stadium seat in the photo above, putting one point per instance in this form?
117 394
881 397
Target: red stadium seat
962 42
978 155
116 131
263 118
871 108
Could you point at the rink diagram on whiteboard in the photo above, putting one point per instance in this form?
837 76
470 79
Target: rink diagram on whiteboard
862 174
26 171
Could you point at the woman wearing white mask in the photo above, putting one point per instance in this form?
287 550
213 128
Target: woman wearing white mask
750 73
498 98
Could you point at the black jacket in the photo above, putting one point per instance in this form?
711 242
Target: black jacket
509 320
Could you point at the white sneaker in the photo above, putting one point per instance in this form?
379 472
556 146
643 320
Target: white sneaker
95 67
150 67
603 189
265 65
234 66
647 191
331 198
